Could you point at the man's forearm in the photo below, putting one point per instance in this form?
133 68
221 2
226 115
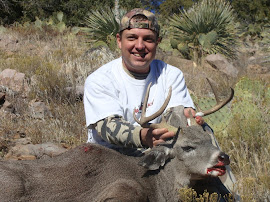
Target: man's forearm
116 130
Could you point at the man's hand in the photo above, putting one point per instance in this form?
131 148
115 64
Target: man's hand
152 137
198 119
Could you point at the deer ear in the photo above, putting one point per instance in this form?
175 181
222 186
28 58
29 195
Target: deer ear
156 157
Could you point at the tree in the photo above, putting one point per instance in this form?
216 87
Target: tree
10 11
152 5
170 7
252 11
27 10
130 4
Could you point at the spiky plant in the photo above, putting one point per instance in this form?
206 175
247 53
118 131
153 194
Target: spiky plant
207 27
102 25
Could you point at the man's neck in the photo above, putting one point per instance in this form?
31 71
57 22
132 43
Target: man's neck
139 76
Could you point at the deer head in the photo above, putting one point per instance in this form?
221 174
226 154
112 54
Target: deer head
187 140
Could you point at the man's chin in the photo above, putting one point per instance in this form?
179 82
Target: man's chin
139 68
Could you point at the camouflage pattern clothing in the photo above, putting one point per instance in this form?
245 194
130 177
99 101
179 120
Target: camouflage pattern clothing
151 22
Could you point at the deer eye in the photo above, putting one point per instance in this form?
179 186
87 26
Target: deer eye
188 148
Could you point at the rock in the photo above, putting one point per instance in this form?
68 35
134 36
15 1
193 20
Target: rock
31 151
179 62
14 80
2 98
39 110
102 53
8 107
77 92
257 69
219 62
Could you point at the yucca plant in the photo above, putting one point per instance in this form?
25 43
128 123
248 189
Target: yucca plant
207 27
102 26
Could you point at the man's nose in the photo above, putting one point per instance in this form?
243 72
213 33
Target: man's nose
139 44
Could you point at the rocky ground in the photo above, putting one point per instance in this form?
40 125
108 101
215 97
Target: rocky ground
15 86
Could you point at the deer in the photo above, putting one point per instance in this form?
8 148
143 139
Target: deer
92 172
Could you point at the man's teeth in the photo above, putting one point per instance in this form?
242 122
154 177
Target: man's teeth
139 55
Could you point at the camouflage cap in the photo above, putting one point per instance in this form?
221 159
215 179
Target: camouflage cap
151 22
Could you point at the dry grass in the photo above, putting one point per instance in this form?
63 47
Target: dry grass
51 62
59 61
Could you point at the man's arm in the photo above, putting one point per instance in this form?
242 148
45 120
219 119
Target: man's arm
115 130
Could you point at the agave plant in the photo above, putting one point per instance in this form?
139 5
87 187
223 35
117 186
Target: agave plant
207 27
102 26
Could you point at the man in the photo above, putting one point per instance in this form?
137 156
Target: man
114 90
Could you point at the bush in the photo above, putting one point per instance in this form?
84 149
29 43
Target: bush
206 28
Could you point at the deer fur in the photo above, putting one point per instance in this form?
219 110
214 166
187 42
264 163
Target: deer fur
94 173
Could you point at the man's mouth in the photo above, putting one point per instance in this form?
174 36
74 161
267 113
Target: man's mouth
141 55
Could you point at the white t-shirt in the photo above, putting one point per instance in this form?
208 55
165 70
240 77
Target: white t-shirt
111 91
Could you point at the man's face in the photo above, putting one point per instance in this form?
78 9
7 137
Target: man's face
138 48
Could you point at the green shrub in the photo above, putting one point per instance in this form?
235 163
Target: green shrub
101 25
207 27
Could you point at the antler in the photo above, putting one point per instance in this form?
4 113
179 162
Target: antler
219 104
144 120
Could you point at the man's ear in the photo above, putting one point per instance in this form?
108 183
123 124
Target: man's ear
118 40
159 39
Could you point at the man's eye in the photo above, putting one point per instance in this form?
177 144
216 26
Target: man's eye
188 148
150 40
131 38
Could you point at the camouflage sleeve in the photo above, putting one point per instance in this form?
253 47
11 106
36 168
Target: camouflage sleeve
116 130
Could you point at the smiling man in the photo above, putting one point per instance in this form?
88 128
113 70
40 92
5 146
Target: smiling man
118 88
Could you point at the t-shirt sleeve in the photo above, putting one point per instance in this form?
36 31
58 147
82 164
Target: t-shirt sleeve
100 99
180 94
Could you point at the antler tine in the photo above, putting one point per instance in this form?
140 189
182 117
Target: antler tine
144 120
219 104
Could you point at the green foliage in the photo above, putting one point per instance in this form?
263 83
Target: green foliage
265 39
207 27
57 25
10 11
2 29
188 194
249 115
218 120
165 45
206 40
253 11
130 4
101 25
254 16
76 10
170 7
50 83
27 10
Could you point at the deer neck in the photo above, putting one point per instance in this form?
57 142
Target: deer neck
170 179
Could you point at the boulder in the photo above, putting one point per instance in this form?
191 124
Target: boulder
2 98
257 69
39 110
8 107
78 92
31 151
15 81
220 63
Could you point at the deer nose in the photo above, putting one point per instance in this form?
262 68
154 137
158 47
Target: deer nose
224 158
